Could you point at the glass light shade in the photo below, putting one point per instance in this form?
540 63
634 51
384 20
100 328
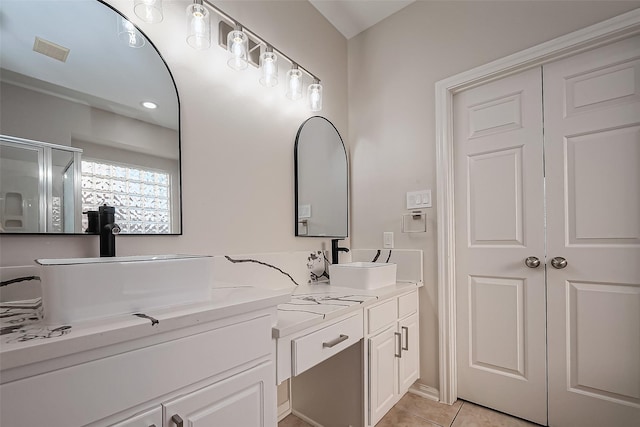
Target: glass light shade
129 34
294 84
148 10
238 47
314 95
198 26
269 68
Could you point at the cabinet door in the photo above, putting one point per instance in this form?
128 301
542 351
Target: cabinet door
383 385
409 363
152 418
246 399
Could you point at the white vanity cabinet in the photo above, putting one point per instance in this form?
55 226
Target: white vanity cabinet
152 418
392 331
206 369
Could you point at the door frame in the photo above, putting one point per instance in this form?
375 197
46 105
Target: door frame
617 28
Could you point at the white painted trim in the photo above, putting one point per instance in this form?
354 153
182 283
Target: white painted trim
613 29
284 410
306 419
425 391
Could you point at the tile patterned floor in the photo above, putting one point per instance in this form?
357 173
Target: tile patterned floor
415 411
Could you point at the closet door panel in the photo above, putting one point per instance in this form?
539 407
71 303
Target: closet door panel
499 187
592 153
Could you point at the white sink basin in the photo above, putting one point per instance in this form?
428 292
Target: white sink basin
79 289
362 275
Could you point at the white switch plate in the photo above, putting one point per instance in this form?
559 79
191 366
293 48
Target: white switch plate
419 199
387 240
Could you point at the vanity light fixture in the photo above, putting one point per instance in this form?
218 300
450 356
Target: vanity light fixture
314 95
242 45
294 83
198 26
148 10
150 105
238 48
128 33
268 67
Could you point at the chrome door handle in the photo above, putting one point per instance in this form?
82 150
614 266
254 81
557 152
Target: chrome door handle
532 262
406 337
558 262
336 341
177 420
399 337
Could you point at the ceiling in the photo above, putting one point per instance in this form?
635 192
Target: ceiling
351 17
100 70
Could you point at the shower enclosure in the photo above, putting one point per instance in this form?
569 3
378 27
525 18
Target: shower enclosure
40 186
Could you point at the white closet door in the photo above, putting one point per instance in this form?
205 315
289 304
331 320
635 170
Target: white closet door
592 146
499 193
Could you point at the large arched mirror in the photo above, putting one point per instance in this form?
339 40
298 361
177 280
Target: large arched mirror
321 181
90 116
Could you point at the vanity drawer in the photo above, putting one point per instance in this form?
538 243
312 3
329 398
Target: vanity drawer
313 348
381 315
407 304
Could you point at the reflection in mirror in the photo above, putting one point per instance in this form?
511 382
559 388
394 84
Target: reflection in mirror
76 132
321 180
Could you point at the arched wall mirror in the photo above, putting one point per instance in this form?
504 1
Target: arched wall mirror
321 181
90 116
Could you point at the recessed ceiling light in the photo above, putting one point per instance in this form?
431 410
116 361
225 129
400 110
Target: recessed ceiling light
150 105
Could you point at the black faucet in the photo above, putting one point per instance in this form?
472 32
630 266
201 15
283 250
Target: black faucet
335 249
108 230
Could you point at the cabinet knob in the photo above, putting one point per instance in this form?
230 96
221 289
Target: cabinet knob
177 420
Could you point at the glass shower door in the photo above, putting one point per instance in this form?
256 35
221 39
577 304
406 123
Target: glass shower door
22 189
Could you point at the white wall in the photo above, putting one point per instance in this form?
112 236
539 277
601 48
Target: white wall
393 68
237 137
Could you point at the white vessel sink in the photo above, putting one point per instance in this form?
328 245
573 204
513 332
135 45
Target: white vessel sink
362 275
79 289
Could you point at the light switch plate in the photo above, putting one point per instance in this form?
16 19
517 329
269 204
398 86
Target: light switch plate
387 240
419 199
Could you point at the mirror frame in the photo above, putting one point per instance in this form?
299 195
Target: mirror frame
173 80
296 184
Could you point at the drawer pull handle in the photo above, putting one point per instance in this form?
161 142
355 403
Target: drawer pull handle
335 342
399 342
406 337
177 420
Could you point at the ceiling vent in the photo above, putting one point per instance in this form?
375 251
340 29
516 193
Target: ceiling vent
51 49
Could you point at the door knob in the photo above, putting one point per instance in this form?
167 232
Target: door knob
532 262
558 262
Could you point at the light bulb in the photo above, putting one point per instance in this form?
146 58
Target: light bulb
238 46
148 10
294 85
314 94
128 33
269 67
198 26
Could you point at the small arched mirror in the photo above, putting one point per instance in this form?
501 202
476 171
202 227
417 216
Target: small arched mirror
321 180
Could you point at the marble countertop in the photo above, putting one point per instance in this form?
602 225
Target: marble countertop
27 340
311 305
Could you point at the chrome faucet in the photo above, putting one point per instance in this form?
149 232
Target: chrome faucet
108 230
335 249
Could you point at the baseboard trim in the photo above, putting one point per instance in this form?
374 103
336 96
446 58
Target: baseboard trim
284 410
425 391
306 419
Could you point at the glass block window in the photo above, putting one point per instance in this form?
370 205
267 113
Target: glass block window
142 197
